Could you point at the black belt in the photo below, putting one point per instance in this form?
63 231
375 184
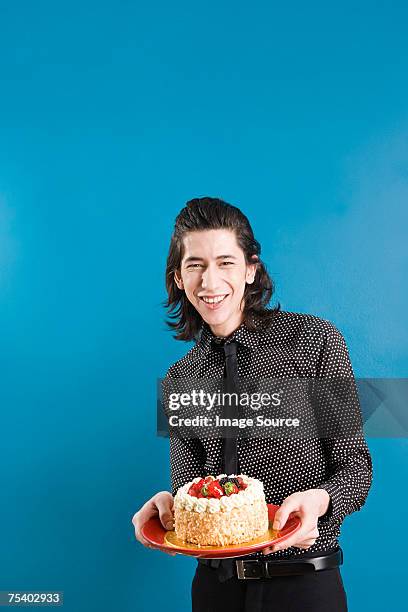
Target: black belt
249 569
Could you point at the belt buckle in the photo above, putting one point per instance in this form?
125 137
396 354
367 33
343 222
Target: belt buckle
240 564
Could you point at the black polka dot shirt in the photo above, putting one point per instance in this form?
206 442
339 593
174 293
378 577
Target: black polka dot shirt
294 345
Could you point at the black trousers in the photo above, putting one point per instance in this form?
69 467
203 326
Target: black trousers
321 591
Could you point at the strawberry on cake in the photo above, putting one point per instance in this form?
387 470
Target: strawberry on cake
222 510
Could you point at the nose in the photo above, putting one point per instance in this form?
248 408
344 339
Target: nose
210 278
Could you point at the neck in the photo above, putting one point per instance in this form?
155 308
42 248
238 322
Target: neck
228 327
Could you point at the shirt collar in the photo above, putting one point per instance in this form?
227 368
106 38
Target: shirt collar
242 335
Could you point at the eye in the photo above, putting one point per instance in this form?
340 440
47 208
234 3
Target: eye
194 265
228 263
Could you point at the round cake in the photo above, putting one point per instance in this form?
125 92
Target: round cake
222 510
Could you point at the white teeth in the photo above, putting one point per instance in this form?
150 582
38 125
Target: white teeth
214 300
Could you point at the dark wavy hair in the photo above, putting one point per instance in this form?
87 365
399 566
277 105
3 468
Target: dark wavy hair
212 213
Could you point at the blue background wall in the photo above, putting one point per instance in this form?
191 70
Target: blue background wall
112 115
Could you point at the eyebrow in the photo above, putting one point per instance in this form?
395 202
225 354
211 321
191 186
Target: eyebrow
193 258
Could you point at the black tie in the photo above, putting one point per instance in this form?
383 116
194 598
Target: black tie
231 410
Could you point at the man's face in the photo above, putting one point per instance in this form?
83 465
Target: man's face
213 274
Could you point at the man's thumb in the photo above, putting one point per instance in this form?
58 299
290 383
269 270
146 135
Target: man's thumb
282 513
167 520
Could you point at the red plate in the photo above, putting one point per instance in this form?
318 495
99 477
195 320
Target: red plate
155 533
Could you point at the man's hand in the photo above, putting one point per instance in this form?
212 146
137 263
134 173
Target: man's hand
160 505
308 506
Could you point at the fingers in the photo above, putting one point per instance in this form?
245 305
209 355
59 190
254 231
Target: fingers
146 512
138 533
304 505
160 504
290 504
299 540
164 504
308 529
306 544
138 522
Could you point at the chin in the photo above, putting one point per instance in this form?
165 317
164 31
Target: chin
217 318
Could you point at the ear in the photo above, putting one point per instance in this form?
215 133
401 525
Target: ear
178 280
251 271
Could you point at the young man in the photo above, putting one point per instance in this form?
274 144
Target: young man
218 292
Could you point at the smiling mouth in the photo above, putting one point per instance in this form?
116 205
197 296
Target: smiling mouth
214 300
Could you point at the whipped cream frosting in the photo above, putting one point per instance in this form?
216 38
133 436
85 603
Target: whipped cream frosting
226 503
